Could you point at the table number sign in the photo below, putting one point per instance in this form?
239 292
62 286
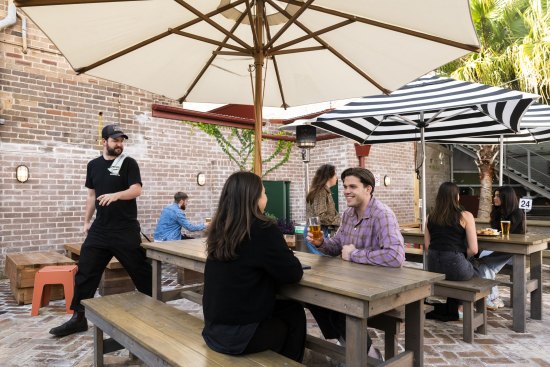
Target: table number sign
526 204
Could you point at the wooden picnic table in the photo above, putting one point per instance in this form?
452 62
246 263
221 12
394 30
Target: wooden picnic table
359 291
520 246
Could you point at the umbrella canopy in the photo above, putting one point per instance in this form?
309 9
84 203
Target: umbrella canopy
430 108
535 128
273 53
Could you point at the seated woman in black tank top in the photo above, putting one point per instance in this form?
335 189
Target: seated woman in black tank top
451 238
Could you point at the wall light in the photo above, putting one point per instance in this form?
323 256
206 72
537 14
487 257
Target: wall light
387 180
22 173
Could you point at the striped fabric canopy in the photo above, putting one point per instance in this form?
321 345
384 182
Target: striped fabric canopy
537 130
444 107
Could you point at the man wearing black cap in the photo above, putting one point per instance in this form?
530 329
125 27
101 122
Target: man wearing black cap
114 182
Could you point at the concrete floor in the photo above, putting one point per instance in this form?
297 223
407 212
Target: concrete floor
25 341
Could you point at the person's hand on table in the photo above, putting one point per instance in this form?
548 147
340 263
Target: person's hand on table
317 243
346 252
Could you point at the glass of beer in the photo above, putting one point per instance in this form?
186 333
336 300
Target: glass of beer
505 228
315 228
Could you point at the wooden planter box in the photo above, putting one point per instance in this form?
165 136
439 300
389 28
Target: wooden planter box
22 267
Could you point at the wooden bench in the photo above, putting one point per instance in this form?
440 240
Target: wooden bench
114 280
472 293
160 334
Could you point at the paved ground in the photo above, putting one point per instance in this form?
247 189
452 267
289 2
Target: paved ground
25 341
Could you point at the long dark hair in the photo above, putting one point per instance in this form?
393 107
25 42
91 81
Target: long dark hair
237 209
323 174
508 204
447 210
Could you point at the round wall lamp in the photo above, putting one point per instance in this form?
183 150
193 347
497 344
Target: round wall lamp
201 179
22 173
387 180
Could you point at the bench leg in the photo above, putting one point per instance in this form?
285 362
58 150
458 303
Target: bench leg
481 308
468 321
98 347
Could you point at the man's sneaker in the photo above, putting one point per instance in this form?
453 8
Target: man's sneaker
491 306
498 302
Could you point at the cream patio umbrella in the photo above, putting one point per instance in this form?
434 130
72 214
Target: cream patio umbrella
273 53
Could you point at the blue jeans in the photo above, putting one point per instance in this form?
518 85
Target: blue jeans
490 264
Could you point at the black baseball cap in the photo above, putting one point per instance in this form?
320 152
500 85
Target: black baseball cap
112 131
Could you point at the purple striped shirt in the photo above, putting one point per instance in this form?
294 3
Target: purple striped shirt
376 236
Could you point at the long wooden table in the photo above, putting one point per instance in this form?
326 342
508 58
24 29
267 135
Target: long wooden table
359 291
524 282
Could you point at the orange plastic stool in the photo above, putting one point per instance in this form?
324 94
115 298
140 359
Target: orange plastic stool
48 275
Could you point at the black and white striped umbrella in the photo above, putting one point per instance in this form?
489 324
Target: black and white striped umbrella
444 107
535 128
430 108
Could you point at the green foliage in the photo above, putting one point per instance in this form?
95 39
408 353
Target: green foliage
238 145
515 46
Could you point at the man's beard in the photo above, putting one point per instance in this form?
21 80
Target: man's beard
113 152
182 207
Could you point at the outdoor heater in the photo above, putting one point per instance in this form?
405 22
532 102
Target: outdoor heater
306 139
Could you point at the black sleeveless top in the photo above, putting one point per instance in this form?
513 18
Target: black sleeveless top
447 238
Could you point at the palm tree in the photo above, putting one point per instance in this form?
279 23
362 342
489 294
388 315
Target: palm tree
514 53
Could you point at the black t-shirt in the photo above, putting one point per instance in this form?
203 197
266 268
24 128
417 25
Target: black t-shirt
121 214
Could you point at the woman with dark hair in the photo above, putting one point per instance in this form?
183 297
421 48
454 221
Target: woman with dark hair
247 260
319 198
505 207
319 202
450 236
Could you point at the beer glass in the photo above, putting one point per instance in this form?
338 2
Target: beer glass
505 228
315 228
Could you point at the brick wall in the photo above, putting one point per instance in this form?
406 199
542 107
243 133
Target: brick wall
51 125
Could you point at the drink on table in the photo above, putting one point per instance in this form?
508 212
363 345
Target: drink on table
315 228
505 227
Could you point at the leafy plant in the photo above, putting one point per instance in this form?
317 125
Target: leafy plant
286 225
238 145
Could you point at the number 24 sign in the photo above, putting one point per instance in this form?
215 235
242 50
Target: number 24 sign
525 204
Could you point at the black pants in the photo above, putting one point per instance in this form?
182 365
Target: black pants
284 333
455 266
96 252
332 323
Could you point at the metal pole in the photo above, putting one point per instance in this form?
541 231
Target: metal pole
529 165
501 163
423 223
305 159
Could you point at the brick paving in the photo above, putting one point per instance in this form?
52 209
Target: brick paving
25 341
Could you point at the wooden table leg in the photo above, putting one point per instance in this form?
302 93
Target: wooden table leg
414 330
356 342
98 347
536 295
157 279
519 290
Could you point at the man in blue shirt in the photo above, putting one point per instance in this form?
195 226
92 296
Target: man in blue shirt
172 220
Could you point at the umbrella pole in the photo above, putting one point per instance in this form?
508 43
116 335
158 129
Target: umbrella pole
501 162
423 223
259 58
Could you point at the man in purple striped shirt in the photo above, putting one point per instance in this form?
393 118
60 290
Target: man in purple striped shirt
369 234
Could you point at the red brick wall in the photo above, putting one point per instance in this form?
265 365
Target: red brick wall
50 124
